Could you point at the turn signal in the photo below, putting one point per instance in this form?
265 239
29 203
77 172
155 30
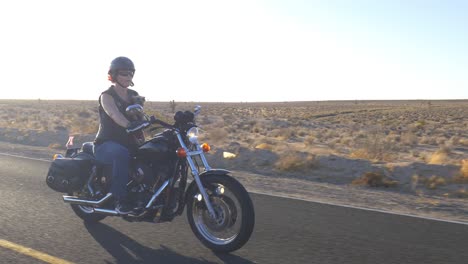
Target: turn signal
205 147
181 153
57 156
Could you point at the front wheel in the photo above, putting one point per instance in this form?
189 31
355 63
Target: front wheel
235 216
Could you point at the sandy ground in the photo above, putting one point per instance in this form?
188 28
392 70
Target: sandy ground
314 188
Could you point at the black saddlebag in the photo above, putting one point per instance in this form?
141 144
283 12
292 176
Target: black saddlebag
69 174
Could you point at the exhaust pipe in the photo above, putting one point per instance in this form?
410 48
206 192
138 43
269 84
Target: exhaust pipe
115 213
105 211
76 200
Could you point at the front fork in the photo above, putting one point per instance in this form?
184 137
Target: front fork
196 174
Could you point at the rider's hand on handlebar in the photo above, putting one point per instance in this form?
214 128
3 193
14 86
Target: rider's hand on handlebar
137 125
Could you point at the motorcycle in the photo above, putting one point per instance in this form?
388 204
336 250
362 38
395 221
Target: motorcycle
219 209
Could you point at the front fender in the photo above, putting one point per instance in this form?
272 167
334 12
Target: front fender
193 184
214 171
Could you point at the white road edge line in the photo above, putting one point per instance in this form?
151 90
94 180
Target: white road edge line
362 208
23 157
308 200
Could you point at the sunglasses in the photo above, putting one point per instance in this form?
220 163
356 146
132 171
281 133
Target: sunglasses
126 73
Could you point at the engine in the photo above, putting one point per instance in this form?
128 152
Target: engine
145 180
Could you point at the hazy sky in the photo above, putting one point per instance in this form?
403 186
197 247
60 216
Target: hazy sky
278 50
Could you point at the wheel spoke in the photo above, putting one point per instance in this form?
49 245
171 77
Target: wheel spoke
225 228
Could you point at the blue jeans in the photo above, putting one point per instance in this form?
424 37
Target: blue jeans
118 156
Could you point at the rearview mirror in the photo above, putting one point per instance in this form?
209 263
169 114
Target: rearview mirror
197 110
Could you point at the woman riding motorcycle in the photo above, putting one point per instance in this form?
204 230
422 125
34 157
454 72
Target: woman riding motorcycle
113 143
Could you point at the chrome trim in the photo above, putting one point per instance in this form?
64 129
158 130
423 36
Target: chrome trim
76 200
133 129
203 158
157 194
115 213
105 211
193 153
205 196
196 174
90 180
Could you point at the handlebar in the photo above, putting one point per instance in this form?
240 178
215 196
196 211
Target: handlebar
154 120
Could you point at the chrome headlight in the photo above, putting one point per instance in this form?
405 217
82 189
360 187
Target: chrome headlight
192 135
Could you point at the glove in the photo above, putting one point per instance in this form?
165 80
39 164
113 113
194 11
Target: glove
136 125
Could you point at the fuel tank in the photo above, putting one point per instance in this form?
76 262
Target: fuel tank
156 148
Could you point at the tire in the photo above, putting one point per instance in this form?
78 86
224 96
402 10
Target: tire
235 214
87 214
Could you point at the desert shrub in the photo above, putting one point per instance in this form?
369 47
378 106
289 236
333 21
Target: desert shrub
264 146
295 162
256 129
393 138
464 168
460 193
228 118
373 146
331 134
217 134
309 140
282 133
462 176
333 143
441 140
84 114
439 157
463 142
420 124
376 151
347 141
433 182
56 146
318 134
409 139
428 140
454 141
302 132
374 179
415 153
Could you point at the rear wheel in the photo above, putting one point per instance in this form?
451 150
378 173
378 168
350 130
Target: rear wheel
235 217
87 213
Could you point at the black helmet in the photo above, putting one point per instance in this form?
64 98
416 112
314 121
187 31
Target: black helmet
119 64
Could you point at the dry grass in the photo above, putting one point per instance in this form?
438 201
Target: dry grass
462 176
460 193
295 162
264 146
433 182
292 132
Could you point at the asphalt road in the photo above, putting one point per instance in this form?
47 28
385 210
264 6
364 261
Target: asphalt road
286 231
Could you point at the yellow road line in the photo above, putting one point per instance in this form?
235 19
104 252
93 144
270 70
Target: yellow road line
32 253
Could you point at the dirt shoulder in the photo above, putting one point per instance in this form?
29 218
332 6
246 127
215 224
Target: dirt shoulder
311 189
